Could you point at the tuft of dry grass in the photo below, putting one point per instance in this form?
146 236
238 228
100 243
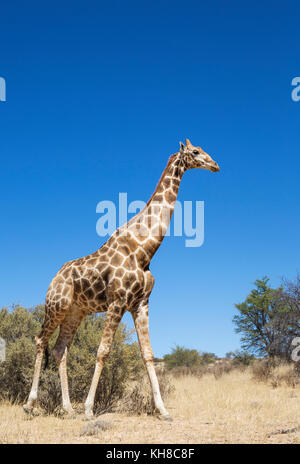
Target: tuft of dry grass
138 398
235 408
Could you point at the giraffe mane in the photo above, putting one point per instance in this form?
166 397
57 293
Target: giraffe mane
170 160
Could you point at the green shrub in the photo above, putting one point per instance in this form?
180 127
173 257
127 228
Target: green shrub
181 356
208 358
19 327
241 358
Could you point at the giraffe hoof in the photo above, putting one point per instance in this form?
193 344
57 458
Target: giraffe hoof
28 409
165 417
88 416
69 413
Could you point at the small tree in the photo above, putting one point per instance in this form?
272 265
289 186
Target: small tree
207 358
181 356
268 320
240 357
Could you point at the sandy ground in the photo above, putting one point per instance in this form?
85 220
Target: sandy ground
232 409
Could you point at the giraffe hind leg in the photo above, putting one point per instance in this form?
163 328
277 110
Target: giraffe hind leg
55 312
41 342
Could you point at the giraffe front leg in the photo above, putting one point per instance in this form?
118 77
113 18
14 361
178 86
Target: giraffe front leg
66 402
141 321
60 352
113 319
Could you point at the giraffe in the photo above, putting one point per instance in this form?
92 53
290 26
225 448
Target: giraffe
114 279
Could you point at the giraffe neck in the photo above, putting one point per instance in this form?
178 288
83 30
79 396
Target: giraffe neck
150 225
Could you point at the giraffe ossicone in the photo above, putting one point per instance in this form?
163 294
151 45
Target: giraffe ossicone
114 279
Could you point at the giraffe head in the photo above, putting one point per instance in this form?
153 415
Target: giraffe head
195 157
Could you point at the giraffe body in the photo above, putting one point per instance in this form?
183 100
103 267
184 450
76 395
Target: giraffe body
114 279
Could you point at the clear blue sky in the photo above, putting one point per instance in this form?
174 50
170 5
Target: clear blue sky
99 95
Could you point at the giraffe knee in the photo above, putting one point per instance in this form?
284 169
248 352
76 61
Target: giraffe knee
148 357
40 344
102 353
58 353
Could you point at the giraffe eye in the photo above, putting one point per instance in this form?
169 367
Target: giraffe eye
196 152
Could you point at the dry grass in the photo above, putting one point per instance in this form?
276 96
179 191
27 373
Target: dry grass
233 408
138 398
276 373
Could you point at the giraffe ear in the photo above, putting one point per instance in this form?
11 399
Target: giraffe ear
188 143
181 147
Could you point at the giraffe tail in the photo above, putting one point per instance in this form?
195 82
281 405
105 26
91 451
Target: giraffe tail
46 357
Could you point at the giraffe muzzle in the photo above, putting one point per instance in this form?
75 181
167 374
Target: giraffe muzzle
215 167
